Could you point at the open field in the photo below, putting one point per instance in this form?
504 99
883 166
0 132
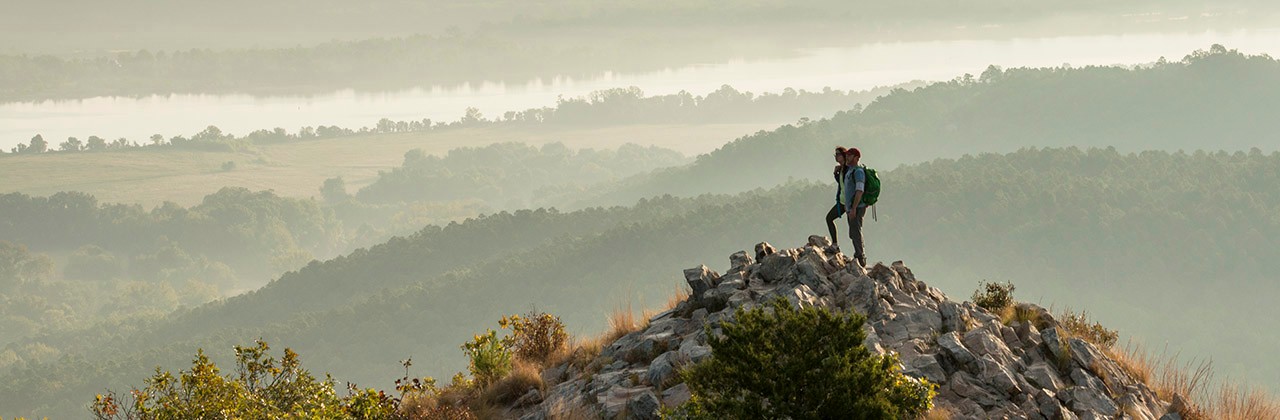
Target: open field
150 177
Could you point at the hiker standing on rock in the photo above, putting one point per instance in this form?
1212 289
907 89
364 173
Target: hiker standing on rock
855 184
838 209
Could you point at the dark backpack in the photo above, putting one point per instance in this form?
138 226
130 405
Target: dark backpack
871 192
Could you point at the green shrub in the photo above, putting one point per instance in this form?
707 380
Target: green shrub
777 361
1078 325
490 358
535 336
994 297
262 387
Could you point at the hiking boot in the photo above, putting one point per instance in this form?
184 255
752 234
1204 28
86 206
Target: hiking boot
832 250
862 260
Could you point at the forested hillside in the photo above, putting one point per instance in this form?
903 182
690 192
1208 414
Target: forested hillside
1090 229
1218 98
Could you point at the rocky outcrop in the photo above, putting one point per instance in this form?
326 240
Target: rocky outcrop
985 368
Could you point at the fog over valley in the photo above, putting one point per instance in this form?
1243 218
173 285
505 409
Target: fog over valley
442 210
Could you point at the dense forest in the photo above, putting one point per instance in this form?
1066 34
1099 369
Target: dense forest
70 262
1104 240
1216 97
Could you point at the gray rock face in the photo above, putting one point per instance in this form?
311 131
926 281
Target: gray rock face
1043 376
775 267
950 342
984 368
700 279
739 261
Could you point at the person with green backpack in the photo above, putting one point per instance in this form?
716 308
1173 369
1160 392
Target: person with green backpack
861 186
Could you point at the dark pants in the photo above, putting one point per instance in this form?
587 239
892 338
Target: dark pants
855 227
855 232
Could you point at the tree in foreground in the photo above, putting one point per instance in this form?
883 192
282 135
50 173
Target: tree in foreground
777 361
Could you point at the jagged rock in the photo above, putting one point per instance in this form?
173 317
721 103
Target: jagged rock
739 299
662 369
810 274
1028 335
999 377
1083 378
739 261
1026 370
951 344
763 249
694 352
1054 343
965 385
954 317
529 398
802 297
620 400
1043 376
715 300
1135 406
775 267
676 395
819 241
1086 401
983 343
700 279
643 406
925 366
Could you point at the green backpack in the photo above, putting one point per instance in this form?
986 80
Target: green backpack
871 193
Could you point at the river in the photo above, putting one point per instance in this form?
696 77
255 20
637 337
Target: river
846 68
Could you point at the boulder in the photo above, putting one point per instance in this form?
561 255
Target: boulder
983 343
819 241
644 406
924 366
951 344
775 267
739 261
1088 401
700 279
1055 345
662 370
763 249
1043 376
676 395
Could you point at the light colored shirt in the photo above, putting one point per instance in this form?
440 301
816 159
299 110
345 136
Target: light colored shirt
857 177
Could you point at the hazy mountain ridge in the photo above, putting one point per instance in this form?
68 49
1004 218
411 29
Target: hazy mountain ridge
948 217
1216 95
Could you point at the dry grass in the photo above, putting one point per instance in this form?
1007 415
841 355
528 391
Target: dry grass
428 406
681 294
623 320
939 413
524 376
1194 381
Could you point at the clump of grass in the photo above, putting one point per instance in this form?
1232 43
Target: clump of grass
524 376
1078 325
939 413
623 320
1193 382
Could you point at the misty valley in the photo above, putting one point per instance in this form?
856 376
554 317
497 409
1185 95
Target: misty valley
575 210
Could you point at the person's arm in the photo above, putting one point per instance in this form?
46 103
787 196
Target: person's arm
859 185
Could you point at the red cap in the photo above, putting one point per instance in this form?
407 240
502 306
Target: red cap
854 151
